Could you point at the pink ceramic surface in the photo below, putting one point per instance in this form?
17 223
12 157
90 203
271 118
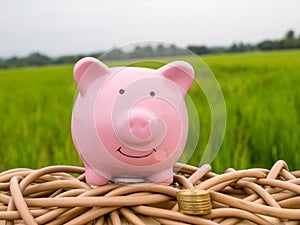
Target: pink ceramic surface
130 123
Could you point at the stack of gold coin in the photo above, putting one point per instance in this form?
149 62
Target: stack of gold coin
194 202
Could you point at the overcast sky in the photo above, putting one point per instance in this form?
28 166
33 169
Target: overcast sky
60 27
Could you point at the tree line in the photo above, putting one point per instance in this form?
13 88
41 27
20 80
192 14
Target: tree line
289 41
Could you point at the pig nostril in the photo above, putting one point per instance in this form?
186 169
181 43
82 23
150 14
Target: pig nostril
145 125
140 128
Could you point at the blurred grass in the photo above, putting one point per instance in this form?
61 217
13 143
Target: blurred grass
35 117
262 97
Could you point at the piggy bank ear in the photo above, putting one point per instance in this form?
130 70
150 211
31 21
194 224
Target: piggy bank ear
86 71
179 72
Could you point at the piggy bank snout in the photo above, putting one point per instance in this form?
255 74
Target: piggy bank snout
141 130
140 127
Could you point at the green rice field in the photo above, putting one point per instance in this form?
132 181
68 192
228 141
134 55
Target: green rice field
261 91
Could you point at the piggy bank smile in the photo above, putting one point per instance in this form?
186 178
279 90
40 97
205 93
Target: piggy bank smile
135 156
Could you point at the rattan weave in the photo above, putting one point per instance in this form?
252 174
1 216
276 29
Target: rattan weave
59 195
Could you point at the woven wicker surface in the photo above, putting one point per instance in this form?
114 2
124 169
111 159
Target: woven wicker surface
59 195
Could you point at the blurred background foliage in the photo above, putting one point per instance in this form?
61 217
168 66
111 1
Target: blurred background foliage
289 41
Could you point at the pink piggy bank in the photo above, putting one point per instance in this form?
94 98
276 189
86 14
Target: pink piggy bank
130 124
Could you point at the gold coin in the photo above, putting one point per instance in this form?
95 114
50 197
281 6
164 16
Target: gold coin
194 202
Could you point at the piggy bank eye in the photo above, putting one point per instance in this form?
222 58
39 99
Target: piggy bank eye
152 93
121 91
